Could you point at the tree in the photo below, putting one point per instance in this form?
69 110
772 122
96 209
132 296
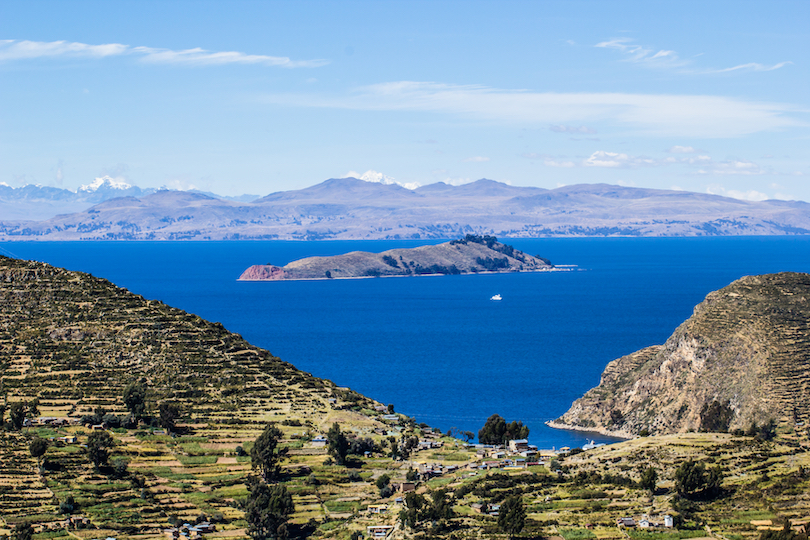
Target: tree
16 415
169 413
497 431
440 506
266 510
120 467
3 415
512 515
716 416
135 399
38 447
691 478
68 505
22 531
98 447
648 479
266 454
338 445
411 515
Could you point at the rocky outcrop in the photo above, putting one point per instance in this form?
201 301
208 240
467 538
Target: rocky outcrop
471 254
746 347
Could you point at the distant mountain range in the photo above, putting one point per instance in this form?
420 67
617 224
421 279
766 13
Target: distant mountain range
348 208
34 202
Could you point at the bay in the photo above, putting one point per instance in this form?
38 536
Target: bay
437 347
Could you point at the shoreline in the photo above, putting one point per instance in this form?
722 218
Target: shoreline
601 431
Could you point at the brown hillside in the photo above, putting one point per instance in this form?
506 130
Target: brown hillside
746 345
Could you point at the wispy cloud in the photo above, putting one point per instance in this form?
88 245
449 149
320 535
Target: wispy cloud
27 50
750 195
643 55
651 114
562 164
477 159
615 160
561 128
733 166
751 66
682 150
661 58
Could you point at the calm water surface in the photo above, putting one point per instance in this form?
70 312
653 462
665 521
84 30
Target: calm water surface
437 347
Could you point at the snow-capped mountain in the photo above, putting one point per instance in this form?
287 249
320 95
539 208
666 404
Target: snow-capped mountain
35 202
105 182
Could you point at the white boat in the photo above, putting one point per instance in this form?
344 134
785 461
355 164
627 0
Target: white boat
496 297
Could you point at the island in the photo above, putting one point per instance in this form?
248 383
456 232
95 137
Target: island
469 255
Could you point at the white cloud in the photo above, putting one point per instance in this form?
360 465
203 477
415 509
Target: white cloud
741 167
24 50
179 184
638 54
682 150
649 114
562 164
380 178
750 195
600 158
751 66
561 128
669 59
21 50
477 159
626 183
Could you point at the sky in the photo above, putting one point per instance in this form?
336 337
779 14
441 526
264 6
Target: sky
255 97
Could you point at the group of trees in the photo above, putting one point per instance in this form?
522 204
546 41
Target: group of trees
497 431
692 479
419 510
17 413
268 504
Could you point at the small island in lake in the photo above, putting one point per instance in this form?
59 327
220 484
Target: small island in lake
469 255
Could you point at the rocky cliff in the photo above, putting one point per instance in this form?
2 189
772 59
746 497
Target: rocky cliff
471 254
745 351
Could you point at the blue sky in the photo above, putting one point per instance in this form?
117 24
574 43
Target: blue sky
256 97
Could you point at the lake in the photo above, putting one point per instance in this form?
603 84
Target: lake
437 347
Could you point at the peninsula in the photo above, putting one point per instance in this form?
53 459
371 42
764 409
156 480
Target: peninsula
740 360
469 255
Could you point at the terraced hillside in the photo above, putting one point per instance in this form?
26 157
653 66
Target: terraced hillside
71 344
746 349
74 342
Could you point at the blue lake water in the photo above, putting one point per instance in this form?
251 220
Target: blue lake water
437 347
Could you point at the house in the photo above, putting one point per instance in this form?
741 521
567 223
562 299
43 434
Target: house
644 523
405 487
379 531
626 522
518 445
320 441
390 418
668 521
68 439
377 508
